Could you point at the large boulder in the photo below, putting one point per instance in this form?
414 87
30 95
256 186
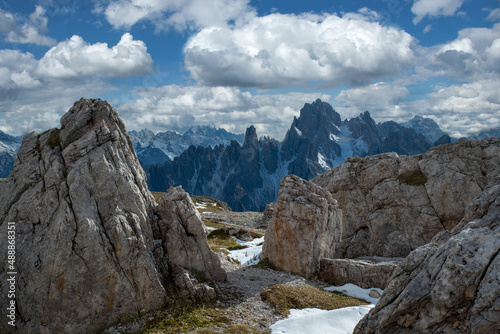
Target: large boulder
364 272
451 285
393 204
85 229
304 229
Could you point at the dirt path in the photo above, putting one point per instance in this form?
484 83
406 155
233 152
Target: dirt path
241 294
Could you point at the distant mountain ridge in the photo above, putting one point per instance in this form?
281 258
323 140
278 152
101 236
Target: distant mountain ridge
9 145
247 177
159 148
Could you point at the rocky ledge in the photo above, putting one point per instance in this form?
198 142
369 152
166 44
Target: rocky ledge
452 284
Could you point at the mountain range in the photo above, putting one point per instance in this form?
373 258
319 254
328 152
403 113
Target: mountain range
247 176
245 170
159 148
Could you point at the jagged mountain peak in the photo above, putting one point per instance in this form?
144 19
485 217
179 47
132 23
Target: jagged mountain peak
317 118
251 139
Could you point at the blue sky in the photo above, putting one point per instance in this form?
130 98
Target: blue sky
235 63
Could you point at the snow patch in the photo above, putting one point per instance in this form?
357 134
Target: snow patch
355 291
339 321
322 161
316 321
250 255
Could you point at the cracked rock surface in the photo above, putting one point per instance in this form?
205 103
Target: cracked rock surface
86 228
451 285
393 204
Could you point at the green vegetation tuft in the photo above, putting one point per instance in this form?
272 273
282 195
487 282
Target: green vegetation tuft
413 178
284 297
186 318
54 138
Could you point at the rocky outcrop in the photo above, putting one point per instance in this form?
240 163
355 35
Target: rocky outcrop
450 285
393 204
364 272
93 247
305 227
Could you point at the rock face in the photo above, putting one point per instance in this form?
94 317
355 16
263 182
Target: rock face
93 247
393 204
304 228
366 273
451 285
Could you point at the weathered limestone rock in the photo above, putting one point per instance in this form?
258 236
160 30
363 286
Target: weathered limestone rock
304 228
451 285
393 204
190 288
366 273
83 216
234 231
183 235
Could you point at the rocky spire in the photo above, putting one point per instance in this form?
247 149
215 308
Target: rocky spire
91 249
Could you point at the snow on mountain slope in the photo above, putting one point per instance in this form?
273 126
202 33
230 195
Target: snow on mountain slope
172 144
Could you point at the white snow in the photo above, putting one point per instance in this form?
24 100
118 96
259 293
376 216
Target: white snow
250 255
316 321
298 131
322 161
355 291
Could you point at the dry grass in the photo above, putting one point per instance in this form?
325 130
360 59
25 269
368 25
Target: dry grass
284 297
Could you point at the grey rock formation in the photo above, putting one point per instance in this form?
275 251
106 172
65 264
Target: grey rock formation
393 204
183 235
364 272
451 285
304 228
86 226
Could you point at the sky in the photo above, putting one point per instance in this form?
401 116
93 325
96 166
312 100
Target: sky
174 64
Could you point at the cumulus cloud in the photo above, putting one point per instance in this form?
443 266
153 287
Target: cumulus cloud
463 109
472 56
16 70
280 50
434 8
18 30
180 107
34 94
380 99
177 14
75 57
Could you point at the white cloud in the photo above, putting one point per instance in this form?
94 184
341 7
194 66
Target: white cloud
34 94
462 109
380 99
18 30
177 14
434 8
427 28
285 50
75 57
16 70
178 108
494 14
